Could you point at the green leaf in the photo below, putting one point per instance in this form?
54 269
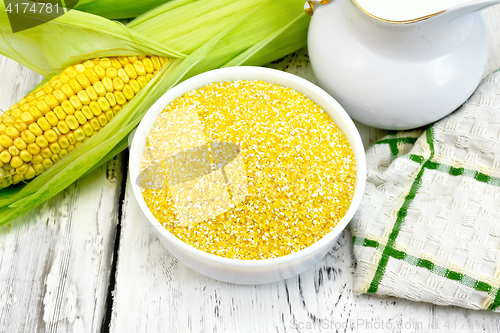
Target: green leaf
73 37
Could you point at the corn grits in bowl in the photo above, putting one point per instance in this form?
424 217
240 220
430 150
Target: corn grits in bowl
248 174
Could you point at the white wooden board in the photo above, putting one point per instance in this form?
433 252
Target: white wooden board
55 261
55 264
156 293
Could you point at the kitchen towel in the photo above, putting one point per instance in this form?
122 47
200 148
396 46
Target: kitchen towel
428 227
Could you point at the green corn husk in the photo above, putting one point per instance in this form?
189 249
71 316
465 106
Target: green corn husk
122 9
255 32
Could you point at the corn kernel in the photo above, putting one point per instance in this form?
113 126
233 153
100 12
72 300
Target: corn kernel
52 118
63 153
80 117
37 158
55 148
99 89
95 124
142 80
75 85
130 71
83 97
43 123
71 138
51 101
13 151
87 112
71 72
103 120
16 162
115 63
56 84
5 157
148 65
63 141
83 81
118 83
128 92
39 94
108 84
35 112
43 107
71 122
156 62
100 71
41 141
20 144
20 126
30 173
33 148
27 117
120 98
68 107
17 178
28 137
7 120
105 63
79 134
123 76
80 68
6 141
92 93
47 163
26 156
34 128
67 91
50 135
70 148
116 109
109 114
63 127
12 132
87 128
136 87
95 108
111 99
89 64
112 73
46 152
103 104
92 76
123 61
64 78
39 169
75 102
139 68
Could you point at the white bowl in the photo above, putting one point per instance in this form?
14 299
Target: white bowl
249 271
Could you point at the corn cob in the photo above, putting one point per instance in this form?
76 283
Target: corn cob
47 124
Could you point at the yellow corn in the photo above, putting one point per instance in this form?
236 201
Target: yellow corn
46 125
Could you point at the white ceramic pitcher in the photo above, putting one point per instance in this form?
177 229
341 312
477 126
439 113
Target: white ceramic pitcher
399 64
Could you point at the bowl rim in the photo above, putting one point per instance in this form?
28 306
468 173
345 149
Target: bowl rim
184 87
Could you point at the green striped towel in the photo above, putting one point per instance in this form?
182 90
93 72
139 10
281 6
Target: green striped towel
428 227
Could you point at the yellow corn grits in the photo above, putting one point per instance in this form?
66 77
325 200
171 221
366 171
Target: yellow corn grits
300 171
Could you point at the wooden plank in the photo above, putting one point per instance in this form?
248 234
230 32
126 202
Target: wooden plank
55 261
154 292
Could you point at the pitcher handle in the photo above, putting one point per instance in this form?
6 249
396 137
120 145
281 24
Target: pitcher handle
309 5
